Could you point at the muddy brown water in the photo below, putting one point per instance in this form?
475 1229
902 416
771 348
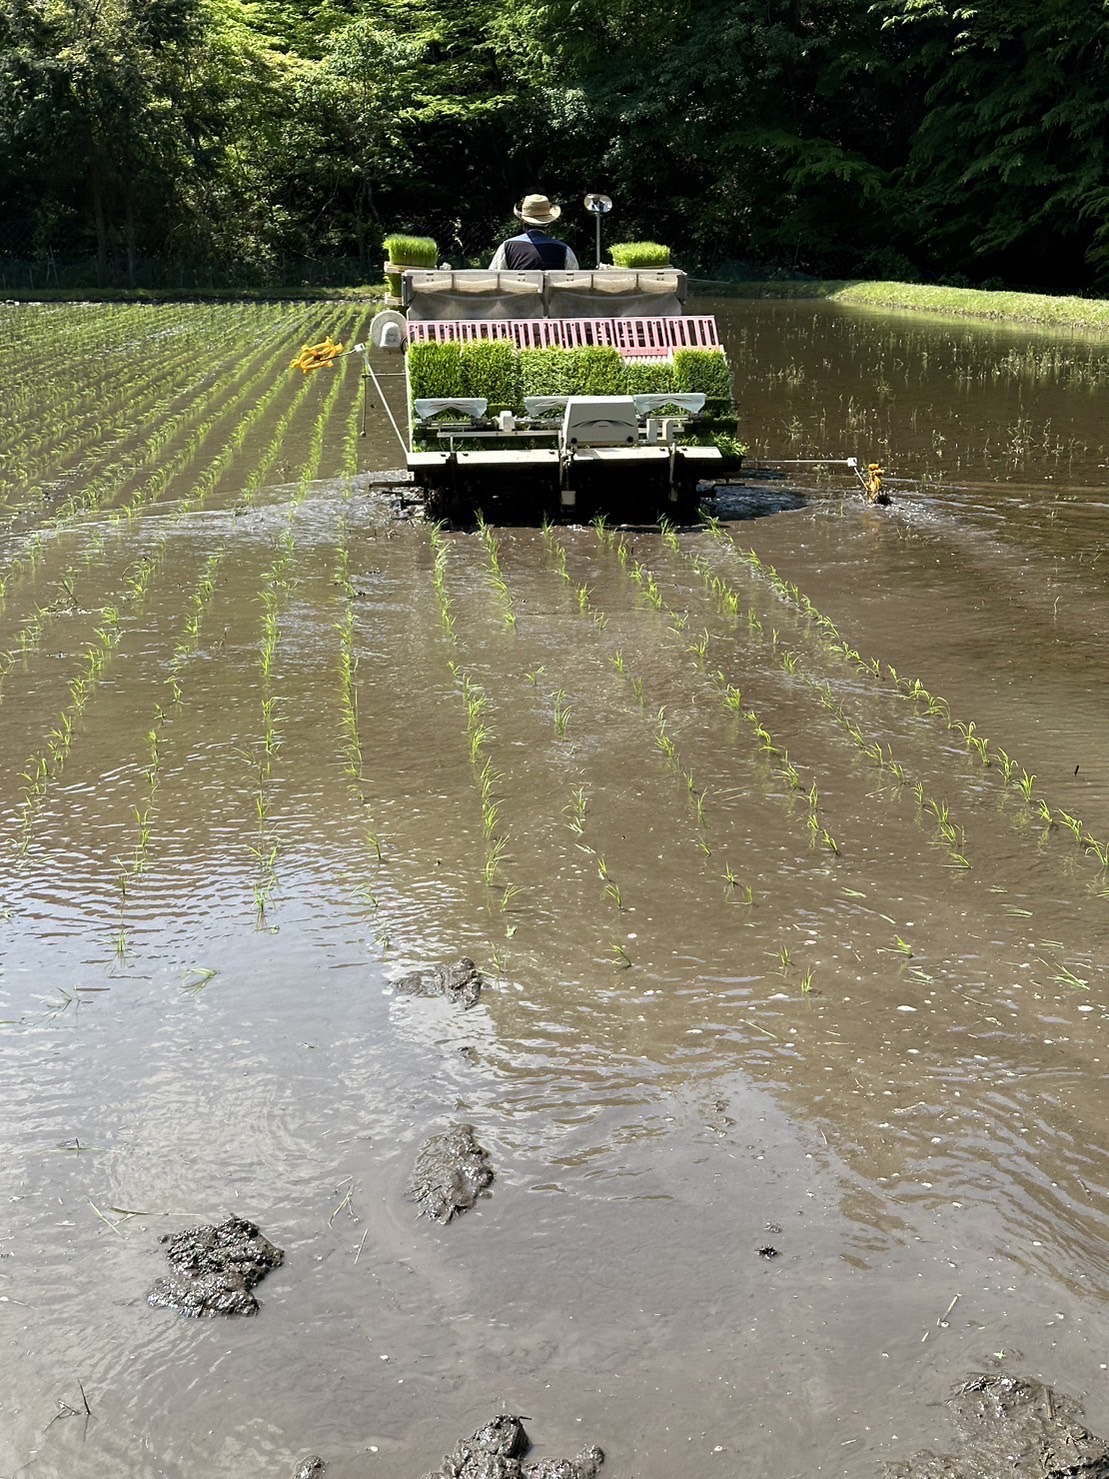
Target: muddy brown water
224 835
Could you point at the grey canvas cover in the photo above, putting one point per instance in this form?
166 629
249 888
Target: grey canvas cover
607 293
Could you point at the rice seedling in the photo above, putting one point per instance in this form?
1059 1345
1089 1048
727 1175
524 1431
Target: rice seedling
576 809
806 982
1066 977
562 712
493 860
663 740
196 978
621 958
732 887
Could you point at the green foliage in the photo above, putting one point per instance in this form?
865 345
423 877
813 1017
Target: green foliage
491 368
865 138
1008 165
641 377
411 251
639 254
704 370
436 371
544 372
730 448
596 371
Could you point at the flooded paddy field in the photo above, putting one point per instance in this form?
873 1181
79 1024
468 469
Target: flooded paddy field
780 845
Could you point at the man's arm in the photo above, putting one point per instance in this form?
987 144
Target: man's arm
498 264
571 261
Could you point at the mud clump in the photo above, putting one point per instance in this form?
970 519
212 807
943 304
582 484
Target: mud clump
460 982
309 1468
495 1451
1013 1427
451 1172
214 1269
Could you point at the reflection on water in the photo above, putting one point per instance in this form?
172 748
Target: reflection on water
778 950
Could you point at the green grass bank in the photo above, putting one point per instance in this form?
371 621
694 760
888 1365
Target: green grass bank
1089 314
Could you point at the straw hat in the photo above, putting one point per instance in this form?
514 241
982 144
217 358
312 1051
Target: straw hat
537 210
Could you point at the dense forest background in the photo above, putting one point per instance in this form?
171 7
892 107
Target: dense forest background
184 142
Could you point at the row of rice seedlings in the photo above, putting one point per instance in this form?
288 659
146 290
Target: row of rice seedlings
478 735
731 696
60 348
353 757
556 552
68 426
102 488
267 847
199 601
933 704
496 575
44 768
28 636
354 761
951 835
662 739
220 400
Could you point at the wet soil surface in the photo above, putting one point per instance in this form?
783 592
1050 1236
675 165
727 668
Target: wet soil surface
496 1451
452 1171
1010 1426
214 1269
460 982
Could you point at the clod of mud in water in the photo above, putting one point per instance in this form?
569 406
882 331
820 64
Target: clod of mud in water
1013 1427
451 1172
309 1468
461 981
495 1450
213 1269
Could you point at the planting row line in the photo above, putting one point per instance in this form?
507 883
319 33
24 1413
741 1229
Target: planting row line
950 835
44 768
931 704
101 491
99 411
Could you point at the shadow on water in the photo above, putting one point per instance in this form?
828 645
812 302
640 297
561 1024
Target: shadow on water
733 502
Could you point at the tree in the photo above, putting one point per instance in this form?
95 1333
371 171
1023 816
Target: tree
1007 171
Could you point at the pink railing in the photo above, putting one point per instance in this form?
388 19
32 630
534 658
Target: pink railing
654 338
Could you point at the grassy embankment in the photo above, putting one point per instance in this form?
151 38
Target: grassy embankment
1003 307
1088 314
365 293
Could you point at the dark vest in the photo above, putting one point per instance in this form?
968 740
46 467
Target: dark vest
534 251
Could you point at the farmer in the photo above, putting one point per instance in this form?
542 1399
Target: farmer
533 249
